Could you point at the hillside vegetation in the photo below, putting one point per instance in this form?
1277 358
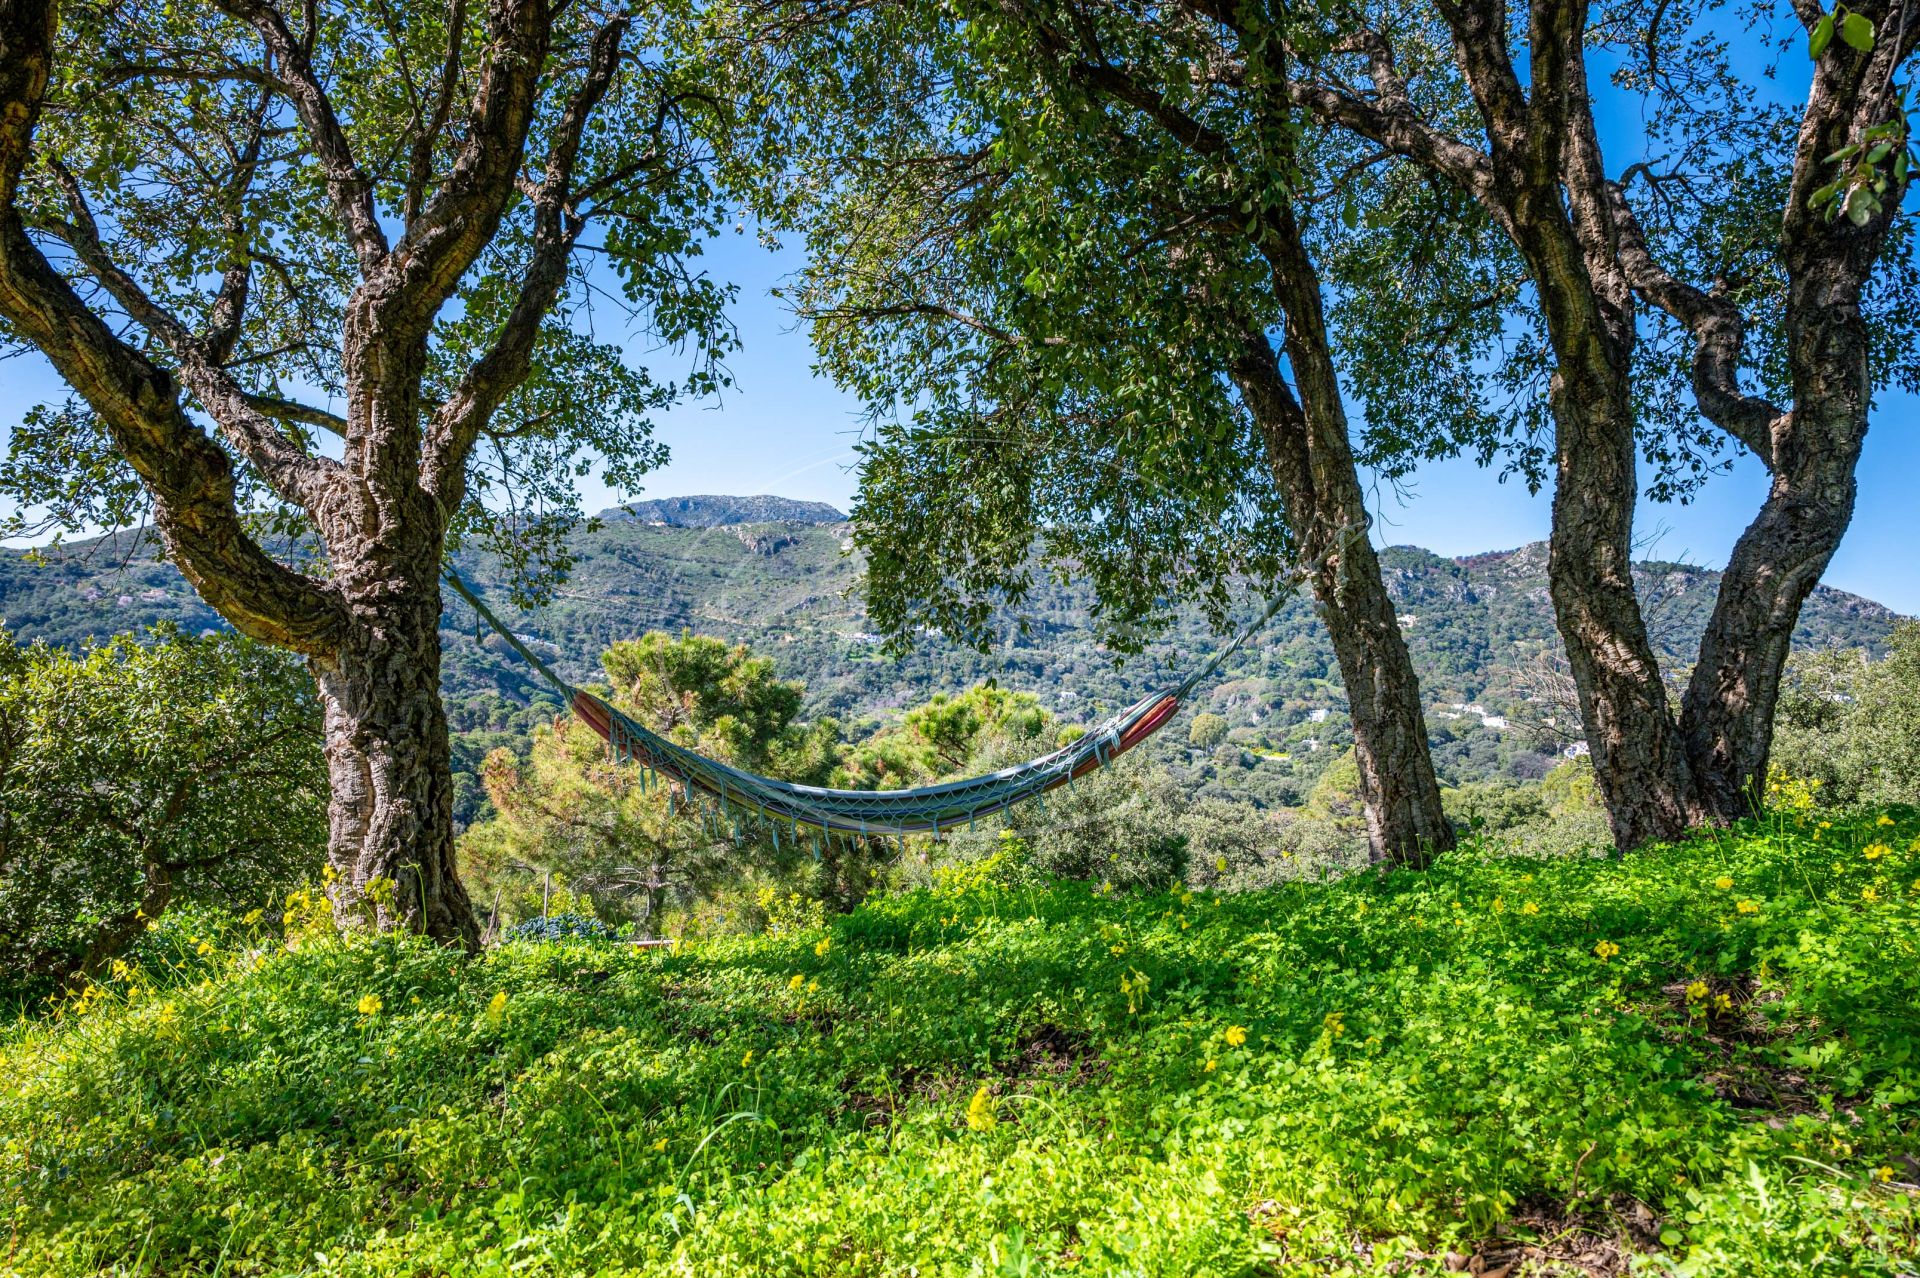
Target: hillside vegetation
1705 1059
790 590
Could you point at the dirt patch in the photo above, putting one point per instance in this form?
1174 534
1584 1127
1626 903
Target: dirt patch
906 1084
1055 1055
1542 1239
1047 1053
1725 1019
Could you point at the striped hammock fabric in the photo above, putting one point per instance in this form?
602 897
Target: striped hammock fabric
738 798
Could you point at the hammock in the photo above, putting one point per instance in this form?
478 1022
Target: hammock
738 796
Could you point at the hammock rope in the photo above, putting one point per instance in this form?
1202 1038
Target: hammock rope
733 793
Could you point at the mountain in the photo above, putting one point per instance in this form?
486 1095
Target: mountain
788 588
714 512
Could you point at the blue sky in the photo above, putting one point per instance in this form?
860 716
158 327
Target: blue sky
783 430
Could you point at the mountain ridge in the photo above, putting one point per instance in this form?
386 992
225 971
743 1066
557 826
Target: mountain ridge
708 510
790 590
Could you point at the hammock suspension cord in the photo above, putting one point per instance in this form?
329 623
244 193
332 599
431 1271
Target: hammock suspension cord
732 793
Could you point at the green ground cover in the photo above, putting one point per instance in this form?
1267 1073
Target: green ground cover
1703 1058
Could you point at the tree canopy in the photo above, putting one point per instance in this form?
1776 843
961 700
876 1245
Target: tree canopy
320 283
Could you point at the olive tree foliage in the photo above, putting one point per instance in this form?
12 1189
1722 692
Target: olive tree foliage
571 815
1741 283
1062 252
1031 332
141 773
335 288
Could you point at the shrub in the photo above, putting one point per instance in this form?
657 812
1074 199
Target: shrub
1853 723
139 774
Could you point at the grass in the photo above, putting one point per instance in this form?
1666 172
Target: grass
1703 1059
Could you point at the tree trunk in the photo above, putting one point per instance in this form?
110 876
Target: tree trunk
1405 823
1548 182
1639 760
390 814
1312 461
1312 458
1727 715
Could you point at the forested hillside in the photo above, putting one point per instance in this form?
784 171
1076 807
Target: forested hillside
1480 630
790 589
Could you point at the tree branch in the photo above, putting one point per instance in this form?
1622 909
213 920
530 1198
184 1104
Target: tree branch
1389 121
189 476
420 165
350 187
297 475
1718 336
229 308
556 228
462 215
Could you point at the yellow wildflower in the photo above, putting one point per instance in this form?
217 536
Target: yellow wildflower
1220 864
797 981
1212 1065
1884 1174
1874 851
1884 820
1499 905
1606 950
980 1115
820 950
1529 908
253 916
1868 894
370 1005
813 987
660 1145
1696 991
1723 1002
497 1009
1236 1035
1747 907
747 1059
203 949
1335 1023
1724 883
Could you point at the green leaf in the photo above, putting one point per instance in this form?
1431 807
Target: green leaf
1671 1237
1857 31
1822 37
1350 214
